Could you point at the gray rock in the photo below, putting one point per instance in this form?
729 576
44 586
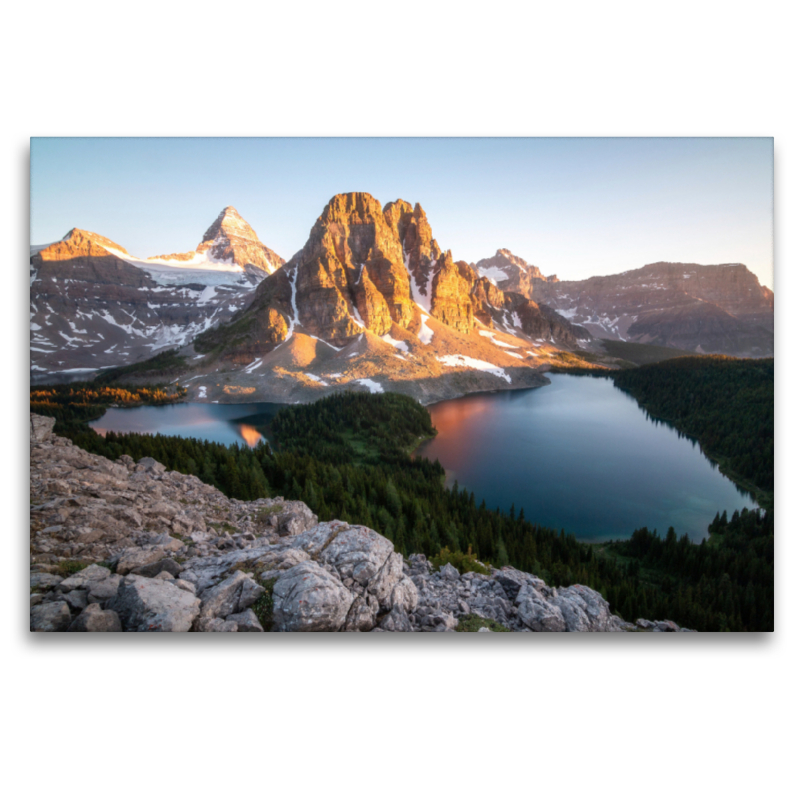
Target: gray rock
146 604
94 620
667 626
246 621
44 580
151 465
396 621
187 586
449 572
232 596
138 557
362 614
645 623
537 614
77 599
405 595
512 580
308 598
41 427
296 518
36 599
100 591
355 551
584 609
164 565
49 617
92 574
385 580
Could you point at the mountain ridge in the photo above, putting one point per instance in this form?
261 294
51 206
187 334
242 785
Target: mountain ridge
93 304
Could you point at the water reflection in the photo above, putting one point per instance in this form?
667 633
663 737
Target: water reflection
580 455
239 423
250 435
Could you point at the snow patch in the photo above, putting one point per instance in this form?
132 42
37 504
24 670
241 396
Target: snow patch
474 363
425 333
494 274
315 378
396 343
373 386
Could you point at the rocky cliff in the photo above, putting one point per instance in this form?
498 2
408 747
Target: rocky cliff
94 305
160 551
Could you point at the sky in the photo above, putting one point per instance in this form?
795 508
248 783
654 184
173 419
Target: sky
574 207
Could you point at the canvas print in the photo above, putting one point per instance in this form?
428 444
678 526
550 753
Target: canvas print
401 385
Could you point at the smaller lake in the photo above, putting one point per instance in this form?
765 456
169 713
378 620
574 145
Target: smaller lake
580 455
239 423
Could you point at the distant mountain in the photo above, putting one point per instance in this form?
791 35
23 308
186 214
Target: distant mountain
373 301
511 273
94 305
230 246
718 308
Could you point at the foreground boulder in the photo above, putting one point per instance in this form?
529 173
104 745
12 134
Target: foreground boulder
308 598
148 604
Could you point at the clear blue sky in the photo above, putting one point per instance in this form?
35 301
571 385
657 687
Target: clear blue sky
575 207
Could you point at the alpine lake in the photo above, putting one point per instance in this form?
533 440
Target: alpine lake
578 455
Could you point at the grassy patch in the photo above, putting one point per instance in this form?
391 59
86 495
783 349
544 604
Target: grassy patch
463 562
67 568
263 606
472 623
265 512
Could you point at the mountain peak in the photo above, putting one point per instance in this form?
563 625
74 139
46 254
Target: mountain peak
78 237
231 239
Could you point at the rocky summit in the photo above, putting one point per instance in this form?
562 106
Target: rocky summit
373 303
94 305
124 546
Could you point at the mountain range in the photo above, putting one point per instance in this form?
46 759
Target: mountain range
370 302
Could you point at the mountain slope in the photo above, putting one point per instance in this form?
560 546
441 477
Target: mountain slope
718 308
94 305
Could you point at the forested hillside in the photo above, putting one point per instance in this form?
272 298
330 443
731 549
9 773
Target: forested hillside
727 404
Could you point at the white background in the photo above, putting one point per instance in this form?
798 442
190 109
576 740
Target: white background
383 716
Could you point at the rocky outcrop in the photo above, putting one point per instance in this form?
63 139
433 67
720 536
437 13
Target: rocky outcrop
179 556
